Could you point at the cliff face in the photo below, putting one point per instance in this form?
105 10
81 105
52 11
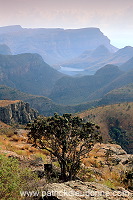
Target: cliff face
54 45
16 112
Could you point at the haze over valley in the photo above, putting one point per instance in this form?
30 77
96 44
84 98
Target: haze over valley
66 99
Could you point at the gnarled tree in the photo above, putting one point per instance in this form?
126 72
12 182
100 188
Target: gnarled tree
67 138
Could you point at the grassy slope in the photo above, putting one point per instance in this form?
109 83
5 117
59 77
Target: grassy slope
95 166
123 94
4 103
106 117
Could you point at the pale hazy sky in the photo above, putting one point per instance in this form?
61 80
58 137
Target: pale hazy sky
113 17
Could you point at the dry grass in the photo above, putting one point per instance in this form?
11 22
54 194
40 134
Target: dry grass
106 117
103 171
18 144
6 129
4 103
3 125
95 161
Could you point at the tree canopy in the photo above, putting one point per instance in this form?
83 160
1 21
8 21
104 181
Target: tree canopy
67 138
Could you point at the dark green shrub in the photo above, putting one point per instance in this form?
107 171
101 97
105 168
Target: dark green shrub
67 138
13 178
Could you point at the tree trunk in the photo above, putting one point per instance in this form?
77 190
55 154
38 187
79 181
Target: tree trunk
74 170
63 171
63 163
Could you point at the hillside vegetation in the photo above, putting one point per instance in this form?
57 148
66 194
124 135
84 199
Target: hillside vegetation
4 103
47 107
116 122
44 105
97 166
69 90
28 72
120 81
123 94
128 65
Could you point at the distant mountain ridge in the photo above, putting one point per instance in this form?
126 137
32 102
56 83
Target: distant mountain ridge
5 50
10 29
121 56
93 60
54 45
76 90
127 66
30 74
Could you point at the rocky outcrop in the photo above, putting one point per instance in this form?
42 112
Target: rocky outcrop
95 189
77 190
113 155
16 112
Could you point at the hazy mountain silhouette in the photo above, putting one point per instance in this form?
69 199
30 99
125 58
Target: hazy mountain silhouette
54 45
10 29
121 56
91 61
5 50
127 66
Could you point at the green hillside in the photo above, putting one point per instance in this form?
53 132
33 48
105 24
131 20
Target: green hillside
47 107
121 81
123 94
70 90
44 105
28 73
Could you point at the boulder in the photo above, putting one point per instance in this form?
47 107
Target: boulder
77 190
